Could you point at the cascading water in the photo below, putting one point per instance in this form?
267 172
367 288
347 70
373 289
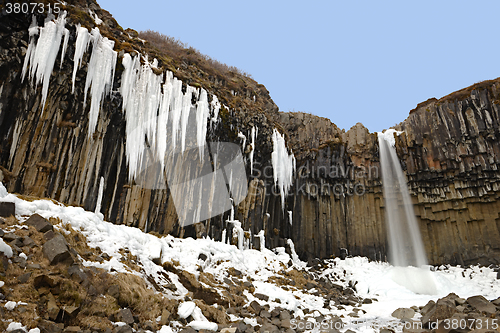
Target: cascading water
405 242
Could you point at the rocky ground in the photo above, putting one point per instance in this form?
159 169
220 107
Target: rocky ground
56 282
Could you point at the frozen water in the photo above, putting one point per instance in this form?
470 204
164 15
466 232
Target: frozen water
283 166
42 53
100 74
253 136
81 46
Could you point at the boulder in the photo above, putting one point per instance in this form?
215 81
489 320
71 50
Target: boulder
125 315
57 251
39 223
403 313
481 304
443 309
7 209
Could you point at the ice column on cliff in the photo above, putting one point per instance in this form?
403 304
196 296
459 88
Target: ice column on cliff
100 74
158 111
81 46
253 135
41 54
283 165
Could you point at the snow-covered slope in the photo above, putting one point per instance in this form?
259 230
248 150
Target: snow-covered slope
273 279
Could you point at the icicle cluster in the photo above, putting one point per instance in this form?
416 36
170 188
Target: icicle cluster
42 52
283 166
157 109
100 74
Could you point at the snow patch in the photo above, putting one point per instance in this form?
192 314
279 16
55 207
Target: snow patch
5 249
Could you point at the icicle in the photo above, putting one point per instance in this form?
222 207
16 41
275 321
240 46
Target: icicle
244 138
42 55
283 166
162 124
290 217
99 196
65 45
30 52
262 238
186 109
295 257
81 46
141 92
176 107
100 74
215 110
224 236
202 113
253 136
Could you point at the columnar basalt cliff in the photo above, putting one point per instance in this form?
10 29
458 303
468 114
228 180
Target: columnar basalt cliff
449 150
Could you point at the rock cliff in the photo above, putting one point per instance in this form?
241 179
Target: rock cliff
449 151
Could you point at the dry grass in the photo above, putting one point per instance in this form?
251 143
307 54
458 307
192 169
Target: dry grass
135 294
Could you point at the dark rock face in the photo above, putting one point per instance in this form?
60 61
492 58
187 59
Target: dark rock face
39 223
57 251
449 150
7 209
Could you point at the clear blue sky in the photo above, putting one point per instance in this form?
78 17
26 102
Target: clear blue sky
349 61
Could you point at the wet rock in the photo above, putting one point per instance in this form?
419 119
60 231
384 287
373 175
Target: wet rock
481 304
57 251
39 223
7 209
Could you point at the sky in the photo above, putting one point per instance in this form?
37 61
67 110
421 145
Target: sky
349 61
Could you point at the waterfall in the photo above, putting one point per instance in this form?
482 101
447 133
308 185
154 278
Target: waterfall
405 242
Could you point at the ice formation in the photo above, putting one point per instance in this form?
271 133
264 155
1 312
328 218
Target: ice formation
283 166
100 74
253 136
99 196
81 46
215 114
42 53
156 109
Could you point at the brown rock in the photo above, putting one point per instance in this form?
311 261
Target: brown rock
403 313
39 223
481 304
444 308
125 315
57 251
7 209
